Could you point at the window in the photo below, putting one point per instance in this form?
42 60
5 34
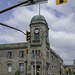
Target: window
36 34
9 68
21 66
47 54
38 52
21 54
9 54
33 52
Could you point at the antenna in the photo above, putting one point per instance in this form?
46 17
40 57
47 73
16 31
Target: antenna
39 9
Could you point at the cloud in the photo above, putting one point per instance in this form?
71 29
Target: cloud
21 17
63 44
63 40
65 24
61 21
11 36
9 3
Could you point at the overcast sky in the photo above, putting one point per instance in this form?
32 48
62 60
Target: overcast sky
60 19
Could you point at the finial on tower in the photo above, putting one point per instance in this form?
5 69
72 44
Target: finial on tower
39 9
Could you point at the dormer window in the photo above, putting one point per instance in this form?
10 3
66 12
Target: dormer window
36 34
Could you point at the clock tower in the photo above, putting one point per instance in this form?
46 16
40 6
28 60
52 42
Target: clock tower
39 46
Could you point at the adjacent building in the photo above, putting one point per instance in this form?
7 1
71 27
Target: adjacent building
39 59
70 69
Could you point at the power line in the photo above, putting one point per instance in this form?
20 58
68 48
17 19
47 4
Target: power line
25 3
12 28
2 11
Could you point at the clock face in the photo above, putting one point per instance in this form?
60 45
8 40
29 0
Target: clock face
36 31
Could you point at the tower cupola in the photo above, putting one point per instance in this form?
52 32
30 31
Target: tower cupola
38 19
39 30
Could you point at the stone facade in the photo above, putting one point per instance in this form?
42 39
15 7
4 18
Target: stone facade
15 58
39 53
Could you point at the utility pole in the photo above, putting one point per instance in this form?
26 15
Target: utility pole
12 28
35 62
25 3
2 11
42 66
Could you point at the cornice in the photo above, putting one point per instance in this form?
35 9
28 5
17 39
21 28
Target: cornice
13 46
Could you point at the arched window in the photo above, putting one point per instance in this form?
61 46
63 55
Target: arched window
36 34
21 66
9 67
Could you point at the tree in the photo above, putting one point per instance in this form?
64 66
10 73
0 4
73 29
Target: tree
67 72
73 72
17 72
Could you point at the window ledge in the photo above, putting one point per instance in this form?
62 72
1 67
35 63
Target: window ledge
36 41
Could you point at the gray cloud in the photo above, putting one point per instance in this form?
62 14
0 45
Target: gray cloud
61 21
63 40
63 44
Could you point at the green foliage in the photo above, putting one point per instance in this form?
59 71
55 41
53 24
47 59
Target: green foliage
60 71
73 72
17 73
67 72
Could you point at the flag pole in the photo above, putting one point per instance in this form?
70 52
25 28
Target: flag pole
42 64
35 63
39 9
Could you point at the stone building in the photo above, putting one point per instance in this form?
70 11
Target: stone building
13 56
70 69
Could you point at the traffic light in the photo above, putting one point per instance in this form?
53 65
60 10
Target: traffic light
26 51
60 2
27 35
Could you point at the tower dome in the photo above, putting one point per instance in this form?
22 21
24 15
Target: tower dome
38 19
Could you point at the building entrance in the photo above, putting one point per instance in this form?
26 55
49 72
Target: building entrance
37 69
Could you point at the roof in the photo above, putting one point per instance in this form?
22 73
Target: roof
13 46
69 66
38 17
